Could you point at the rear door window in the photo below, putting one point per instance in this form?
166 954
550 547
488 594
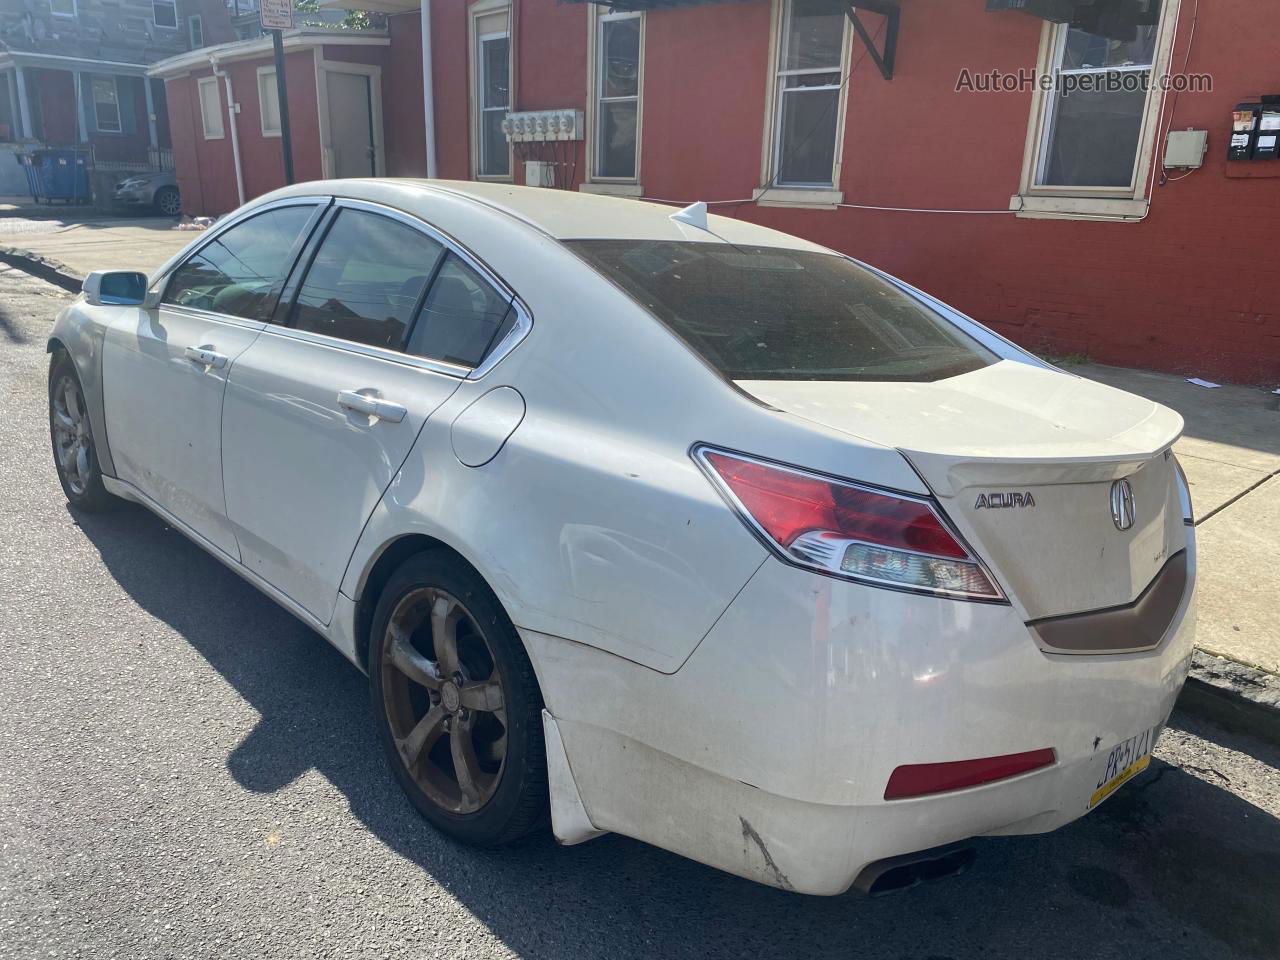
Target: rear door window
367 280
463 317
763 313
237 271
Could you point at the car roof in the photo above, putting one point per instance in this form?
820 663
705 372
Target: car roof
566 214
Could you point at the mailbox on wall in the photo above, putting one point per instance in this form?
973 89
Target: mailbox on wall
1255 131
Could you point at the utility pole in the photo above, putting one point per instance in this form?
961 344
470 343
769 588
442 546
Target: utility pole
277 16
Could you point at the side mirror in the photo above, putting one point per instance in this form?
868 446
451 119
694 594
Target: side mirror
116 288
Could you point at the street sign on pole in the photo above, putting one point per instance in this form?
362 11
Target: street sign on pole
276 14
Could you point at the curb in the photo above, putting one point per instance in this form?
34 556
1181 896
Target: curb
1243 699
59 274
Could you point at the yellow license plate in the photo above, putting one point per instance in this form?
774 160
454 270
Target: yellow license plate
1125 761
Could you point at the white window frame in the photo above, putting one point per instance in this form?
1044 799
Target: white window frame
263 73
478 12
195 22
201 85
595 183
165 3
817 196
53 8
97 121
1036 200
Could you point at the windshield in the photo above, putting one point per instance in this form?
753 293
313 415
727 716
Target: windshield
765 313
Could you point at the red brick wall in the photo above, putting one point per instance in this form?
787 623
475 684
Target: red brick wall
206 168
402 98
1189 289
56 94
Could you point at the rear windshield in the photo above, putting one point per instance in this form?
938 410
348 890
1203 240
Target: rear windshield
763 313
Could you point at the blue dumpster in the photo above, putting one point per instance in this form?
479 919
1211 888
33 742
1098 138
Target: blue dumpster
31 165
64 175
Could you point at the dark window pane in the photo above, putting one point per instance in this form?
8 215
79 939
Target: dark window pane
495 155
366 280
618 139
234 273
461 318
1094 142
621 66
807 151
165 13
757 313
496 83
815 34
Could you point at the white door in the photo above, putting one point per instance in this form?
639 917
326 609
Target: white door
321 413
351 119
165 370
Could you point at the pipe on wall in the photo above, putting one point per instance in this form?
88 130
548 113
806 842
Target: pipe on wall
428 90
231 119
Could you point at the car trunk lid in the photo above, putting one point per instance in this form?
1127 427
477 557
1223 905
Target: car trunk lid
1023 460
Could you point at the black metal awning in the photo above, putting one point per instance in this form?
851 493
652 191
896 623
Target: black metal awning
1115 19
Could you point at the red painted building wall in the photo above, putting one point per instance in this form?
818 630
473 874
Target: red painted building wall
206 168
1189 289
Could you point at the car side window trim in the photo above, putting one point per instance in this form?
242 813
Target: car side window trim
283 322
319 202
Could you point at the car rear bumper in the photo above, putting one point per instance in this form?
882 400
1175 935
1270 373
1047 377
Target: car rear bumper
768 752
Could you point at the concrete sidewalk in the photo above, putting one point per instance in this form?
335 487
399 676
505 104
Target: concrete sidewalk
71 251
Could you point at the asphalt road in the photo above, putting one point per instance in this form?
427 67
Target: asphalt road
186 771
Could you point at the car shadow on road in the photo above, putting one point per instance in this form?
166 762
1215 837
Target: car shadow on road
1172 866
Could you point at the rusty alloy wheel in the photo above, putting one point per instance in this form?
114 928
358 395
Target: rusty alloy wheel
444 700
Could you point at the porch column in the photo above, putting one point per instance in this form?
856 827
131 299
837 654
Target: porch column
24 108
151 113
82 129
12 86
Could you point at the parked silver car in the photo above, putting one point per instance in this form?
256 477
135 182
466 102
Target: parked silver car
155 191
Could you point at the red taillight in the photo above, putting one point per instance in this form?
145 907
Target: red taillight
923 779
788 504
850 530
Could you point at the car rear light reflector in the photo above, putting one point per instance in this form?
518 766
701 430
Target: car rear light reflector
849 530
923 779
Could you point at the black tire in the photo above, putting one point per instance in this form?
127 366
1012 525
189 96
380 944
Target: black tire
519 801
167 202
82 486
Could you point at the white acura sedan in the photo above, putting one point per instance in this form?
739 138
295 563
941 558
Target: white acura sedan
662 524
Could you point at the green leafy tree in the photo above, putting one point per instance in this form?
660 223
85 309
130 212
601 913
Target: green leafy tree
354 19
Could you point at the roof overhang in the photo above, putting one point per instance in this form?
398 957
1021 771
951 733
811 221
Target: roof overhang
51 61
300 39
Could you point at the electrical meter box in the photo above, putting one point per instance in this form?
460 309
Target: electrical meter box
1186 148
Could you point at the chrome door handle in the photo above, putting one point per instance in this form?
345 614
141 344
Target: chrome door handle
205 357
371 406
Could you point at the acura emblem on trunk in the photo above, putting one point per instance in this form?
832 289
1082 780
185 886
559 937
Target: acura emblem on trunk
1122 505
1004 501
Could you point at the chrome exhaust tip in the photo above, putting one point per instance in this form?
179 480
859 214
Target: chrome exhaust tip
896 874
